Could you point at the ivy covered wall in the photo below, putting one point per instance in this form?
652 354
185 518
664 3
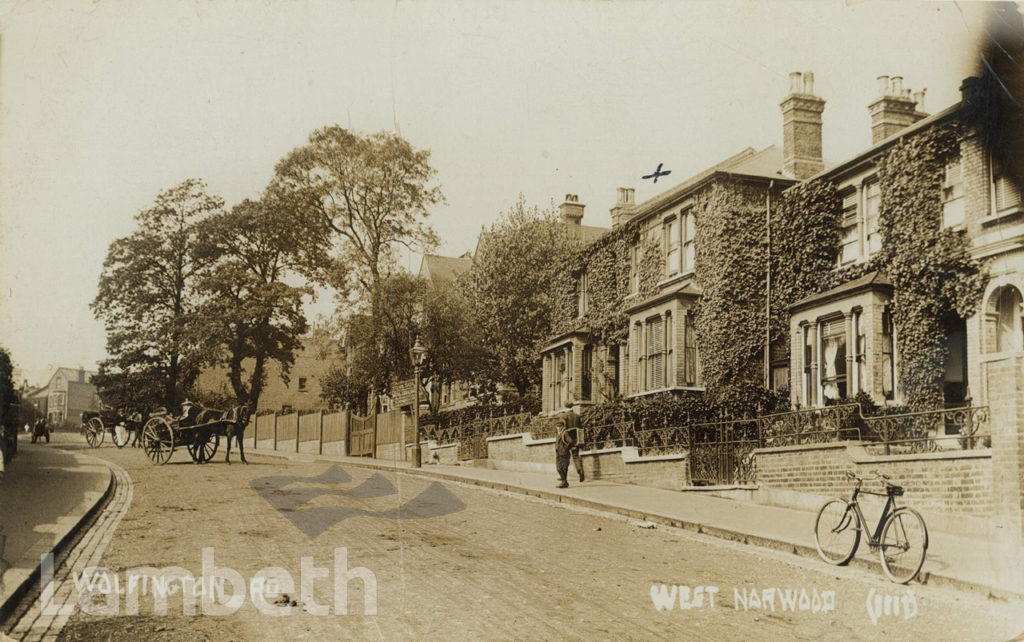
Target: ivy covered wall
731 259
929 266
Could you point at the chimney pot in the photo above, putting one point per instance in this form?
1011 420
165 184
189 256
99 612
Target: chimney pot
919 99
897 86
795 83
883 85
621 212
809 83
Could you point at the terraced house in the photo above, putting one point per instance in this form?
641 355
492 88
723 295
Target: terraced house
893 279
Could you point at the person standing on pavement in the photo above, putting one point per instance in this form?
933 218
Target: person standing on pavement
567 445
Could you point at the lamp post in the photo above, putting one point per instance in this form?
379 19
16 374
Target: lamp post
418 355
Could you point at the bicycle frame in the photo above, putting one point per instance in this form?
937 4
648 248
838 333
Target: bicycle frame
890 508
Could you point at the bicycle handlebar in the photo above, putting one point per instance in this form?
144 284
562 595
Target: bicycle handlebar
884 478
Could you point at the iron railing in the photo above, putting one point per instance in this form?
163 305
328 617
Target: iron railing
919 432
726 446
811 426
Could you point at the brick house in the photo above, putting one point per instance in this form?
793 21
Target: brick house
843 339
660 353
68 393
300 392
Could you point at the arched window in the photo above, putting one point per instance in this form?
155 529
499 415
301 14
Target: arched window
1005 310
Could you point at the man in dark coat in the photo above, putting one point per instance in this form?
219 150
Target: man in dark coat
567 445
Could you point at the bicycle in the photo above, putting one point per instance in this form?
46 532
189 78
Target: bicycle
901 537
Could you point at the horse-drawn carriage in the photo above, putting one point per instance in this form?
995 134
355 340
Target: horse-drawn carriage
198 429
120 425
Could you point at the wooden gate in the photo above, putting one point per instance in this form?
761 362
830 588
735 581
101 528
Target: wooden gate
361 442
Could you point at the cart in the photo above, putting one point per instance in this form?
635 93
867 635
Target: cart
95 426
198 429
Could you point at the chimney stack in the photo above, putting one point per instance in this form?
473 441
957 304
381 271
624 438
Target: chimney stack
895 109
801 128
623 209
571 210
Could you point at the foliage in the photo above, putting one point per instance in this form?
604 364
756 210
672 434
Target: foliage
412 307
147 301
730 266
373 193
9 398
453 340
805 235
606 262
529 403
929 265
250 314
508 286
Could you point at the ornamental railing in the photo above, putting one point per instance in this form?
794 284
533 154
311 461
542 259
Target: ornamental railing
921 432
720 449
811 426
670 440
604 436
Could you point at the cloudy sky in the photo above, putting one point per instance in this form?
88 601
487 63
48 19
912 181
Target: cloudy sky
104 104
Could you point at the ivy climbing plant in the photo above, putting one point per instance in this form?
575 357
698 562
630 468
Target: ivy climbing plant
731 256
932 272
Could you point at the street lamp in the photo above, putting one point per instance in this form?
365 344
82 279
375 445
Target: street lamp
418 355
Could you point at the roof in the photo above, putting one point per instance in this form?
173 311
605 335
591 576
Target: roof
887 142
870 281
443 268
765 164
587 233
70 374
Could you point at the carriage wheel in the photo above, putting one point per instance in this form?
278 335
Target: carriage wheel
158 440
121 435
205 450
94 432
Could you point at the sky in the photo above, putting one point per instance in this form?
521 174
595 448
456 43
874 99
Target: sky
104 104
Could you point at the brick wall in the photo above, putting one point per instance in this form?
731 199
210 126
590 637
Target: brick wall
1005 380
954 481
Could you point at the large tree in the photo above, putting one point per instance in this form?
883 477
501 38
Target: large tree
373 193
251 312
147 301
508 287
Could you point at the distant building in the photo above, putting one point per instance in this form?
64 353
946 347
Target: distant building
64 398
301 392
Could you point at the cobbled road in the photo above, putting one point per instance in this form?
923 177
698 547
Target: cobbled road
460 562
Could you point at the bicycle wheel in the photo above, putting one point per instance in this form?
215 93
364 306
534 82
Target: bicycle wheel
120 435
837 532
903 545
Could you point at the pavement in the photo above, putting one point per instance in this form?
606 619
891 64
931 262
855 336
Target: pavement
45 495
974 564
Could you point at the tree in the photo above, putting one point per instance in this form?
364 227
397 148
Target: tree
508 287
411 307
250 314
373 193
9 410
452 338
147 301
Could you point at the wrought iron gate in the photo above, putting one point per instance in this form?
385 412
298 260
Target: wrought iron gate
723 453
